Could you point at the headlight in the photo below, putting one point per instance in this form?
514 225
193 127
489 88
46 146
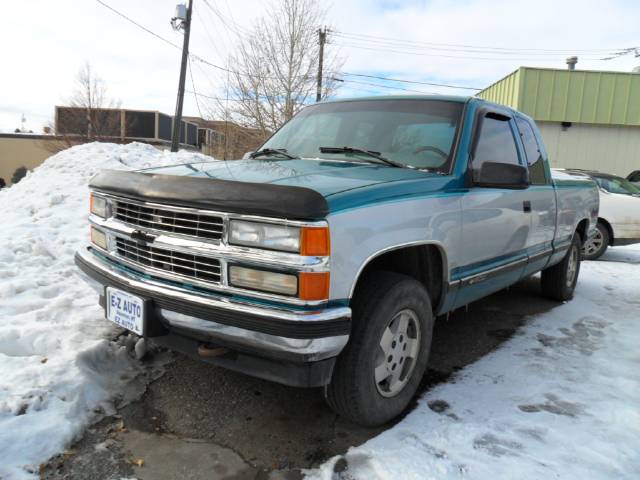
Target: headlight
99 206
265 235
98 238
311 241
263 280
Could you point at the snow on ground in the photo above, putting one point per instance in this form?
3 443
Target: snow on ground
559 400
58 368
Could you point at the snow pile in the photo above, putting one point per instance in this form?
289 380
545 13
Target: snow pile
57 366
559 400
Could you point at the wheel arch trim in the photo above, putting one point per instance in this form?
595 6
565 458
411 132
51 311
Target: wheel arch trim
609 228
439 246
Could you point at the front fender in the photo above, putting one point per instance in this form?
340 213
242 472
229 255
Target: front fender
360 235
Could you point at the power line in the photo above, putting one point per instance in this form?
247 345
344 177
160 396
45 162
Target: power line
137 24
209 36
235 27
464 52
477 48
422 54
193 56
416 82
380 86
193 85
220 99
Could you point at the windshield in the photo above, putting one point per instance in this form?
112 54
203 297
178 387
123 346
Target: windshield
416 133
617 185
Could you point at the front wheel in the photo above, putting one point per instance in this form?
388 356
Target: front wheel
595 246
379 371
559 281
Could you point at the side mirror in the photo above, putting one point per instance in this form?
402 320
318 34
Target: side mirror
502 175
247 155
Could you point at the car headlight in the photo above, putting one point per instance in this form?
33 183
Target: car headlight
263 280
303 240
265 235
304 285
99 238
99 206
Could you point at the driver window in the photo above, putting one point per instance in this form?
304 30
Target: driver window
495 144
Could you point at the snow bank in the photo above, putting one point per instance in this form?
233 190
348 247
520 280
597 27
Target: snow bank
57 367
559 400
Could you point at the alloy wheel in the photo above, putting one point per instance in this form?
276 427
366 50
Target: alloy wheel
593 245
572 266
397 353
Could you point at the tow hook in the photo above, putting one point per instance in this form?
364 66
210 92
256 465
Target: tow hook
205 350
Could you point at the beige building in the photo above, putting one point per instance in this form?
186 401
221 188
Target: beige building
22 150
74 126
588 119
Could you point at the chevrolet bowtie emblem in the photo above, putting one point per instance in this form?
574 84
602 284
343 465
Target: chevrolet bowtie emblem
142 237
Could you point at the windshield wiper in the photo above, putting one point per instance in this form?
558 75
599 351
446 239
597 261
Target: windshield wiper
273 151
362 151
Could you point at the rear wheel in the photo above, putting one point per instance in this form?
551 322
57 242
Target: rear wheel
379 371
595 246
559 281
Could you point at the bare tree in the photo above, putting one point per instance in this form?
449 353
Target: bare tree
90 115
90 95
275 65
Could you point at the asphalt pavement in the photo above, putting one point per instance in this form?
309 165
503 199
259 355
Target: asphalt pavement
200 421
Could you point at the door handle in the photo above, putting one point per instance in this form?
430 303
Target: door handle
526 206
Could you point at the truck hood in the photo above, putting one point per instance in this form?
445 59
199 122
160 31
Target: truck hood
327 177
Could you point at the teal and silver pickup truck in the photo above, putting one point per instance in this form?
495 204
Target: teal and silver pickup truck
324 257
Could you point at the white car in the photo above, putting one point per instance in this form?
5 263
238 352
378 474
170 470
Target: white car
619 217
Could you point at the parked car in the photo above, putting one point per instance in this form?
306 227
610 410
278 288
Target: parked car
634 177
324 259
619 216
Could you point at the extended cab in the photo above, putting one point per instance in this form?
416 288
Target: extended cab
324 258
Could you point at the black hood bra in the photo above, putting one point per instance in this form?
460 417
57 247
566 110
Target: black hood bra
281 201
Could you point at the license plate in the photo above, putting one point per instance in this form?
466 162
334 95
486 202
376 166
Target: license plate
125 310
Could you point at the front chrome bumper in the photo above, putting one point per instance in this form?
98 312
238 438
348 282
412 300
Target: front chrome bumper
299 335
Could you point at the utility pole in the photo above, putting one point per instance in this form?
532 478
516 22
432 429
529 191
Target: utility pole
322 38
180 22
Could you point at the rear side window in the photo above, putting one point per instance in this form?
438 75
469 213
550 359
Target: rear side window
496 144
537 175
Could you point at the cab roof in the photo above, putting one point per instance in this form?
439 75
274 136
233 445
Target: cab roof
446 98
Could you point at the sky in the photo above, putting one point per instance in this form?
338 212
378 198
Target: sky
469 43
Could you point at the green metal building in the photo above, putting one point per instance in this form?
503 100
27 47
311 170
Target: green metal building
588 119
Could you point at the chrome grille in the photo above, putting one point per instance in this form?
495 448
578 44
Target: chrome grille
192 266
168 220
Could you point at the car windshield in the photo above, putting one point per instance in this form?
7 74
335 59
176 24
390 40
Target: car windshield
414 133
617 185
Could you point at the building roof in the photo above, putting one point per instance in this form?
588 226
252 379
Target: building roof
561 95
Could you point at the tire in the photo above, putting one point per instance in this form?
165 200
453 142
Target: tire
596 246
559 281
384 303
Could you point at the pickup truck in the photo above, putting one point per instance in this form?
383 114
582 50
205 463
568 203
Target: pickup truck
323 258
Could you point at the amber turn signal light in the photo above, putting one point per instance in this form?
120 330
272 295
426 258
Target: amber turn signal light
313 286
314 241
